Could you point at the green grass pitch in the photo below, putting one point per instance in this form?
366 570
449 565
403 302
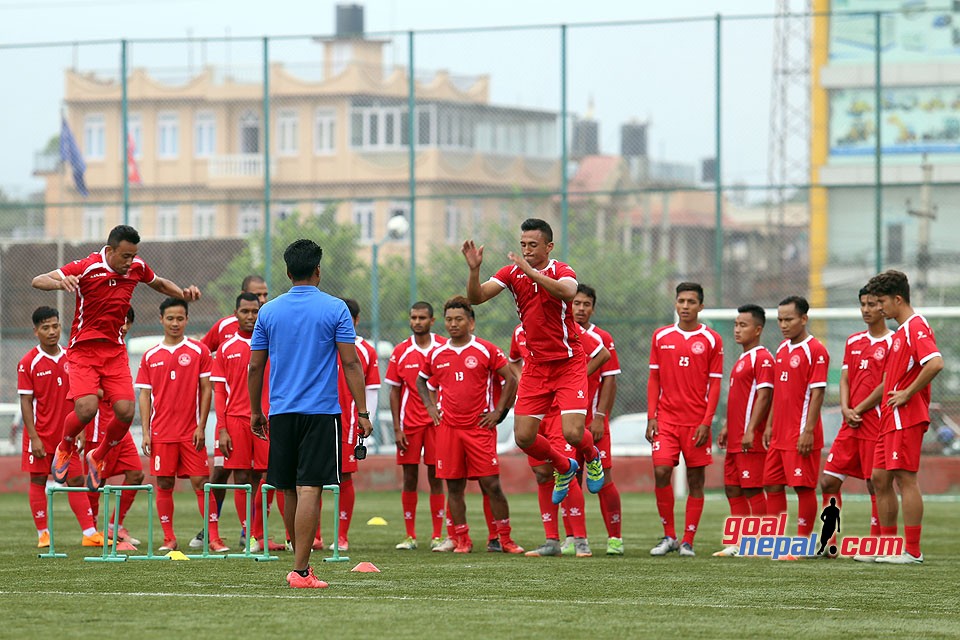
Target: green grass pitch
420 594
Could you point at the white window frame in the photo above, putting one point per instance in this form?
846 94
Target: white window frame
135 216
204 220
288 136
94 133
168 135
324 132
451 222
247 119
249 218
94 223
204 134
168 220
377 117
364 216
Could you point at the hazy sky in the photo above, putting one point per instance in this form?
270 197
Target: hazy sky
663 73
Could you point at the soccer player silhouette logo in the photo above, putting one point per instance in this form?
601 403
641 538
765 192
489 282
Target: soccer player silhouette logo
830 516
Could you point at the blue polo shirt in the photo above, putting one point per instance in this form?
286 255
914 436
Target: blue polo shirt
300 330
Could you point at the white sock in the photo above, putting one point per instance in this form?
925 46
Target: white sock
90 531
40 532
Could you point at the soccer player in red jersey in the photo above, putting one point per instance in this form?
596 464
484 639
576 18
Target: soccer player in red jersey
122 459
584 305
861 379
42 384
103 282
748 404
367 354
221 331
686 366
413 429
794 432
462 372
175 393
244 455
543 290
912 364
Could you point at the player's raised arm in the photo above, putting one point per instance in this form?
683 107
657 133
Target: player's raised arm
166 287
54 281
477 293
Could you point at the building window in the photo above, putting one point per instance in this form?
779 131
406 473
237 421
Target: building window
425 124
250 219
324 132
363 218
250 132
134 217
93 136
93 223
135 133
378 127
204 220
341 55
284 210
167 221
204 134
477 218
452 223
288 123
168 135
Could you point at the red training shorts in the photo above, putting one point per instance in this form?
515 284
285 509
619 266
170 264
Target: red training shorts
98 364
744 469
348 461
121 458
787 466
559 382
552 430
671 441
419 439
850 455
466 453
249 451
180 459
32 464
900 449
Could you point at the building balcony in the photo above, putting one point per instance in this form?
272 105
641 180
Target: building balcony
238 166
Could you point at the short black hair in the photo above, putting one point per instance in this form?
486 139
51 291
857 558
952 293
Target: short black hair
696 287
122 232
44 313
302 257
890 283
459 302
353 306
250 279
799 302
131 316
755 310
588 291
864 291
174 302
422 304
536 224
249 297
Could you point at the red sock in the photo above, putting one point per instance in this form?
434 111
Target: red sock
240 502
739 506
548 511
575 508
270 494
541 450
451 531
492 530
692 518
587 447
94 499
503 530
825 501
665 502
81 508
165 511
280 501
610 509
214 518
874 517
460 531
776 503
111 437
911 536
437 513
806 511
256 517
888 532
38 505
319 535
126 501
348 498
408 499
758 504
71 429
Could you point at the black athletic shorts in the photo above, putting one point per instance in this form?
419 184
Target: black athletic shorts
304 450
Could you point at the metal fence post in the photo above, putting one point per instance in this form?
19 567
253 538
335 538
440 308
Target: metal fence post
412 160
877 148
124 127
268 219
718 180
564 201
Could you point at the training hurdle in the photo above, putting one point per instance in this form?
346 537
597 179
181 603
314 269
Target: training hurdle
113 493
206 555
51 551
333 488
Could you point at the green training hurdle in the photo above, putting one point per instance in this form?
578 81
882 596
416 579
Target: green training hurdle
206 555
51 552
113 493
265 555
333 488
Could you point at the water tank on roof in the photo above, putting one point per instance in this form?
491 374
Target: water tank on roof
349 21
708 171
586 138
633 140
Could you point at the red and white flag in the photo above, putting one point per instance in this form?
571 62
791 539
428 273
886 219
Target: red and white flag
133 172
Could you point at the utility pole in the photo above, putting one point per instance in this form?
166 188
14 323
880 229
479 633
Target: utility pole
927 212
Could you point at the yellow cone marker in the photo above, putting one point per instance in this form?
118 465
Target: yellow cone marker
377 521
177 555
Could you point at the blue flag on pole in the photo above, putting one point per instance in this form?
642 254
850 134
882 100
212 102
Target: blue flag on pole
70 152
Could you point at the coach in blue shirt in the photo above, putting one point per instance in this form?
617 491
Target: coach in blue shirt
302 332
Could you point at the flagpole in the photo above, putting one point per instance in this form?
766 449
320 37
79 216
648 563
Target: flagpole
125 144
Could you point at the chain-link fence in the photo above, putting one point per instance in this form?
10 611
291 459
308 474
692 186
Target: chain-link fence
741 152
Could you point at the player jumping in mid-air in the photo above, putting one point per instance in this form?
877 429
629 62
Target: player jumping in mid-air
543 290
103 282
